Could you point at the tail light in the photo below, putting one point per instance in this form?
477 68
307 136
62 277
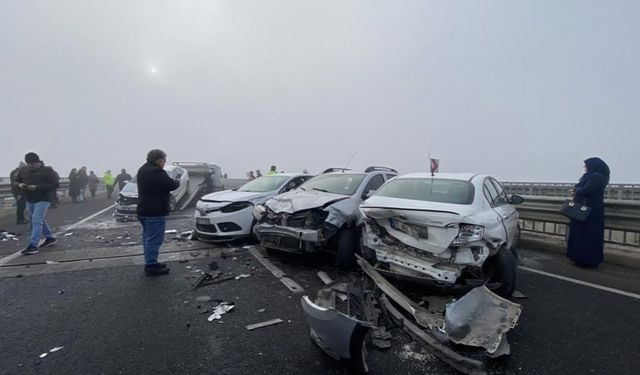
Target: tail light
468 233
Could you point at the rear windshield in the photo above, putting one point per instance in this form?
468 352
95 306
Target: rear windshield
264 184
441 191
336 183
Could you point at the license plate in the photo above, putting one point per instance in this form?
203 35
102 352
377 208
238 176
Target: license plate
203 221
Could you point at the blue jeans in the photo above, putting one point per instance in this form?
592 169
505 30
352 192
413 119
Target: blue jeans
152 237
38 210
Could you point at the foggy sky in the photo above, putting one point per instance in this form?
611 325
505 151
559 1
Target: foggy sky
522 90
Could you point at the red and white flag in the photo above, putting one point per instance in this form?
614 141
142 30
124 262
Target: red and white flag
435 165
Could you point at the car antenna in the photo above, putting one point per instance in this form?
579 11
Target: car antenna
352 156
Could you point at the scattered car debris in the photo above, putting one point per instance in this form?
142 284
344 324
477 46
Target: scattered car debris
220 310
203 299
211 278
6 236
68 234
518 295
242 276
171 231
61 292
268 323
262 310
51 262
132 243
43 355
57 348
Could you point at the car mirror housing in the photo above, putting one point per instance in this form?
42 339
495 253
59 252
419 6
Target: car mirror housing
516 199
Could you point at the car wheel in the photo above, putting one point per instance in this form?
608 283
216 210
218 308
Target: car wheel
503 271
516 240
346 243
172 203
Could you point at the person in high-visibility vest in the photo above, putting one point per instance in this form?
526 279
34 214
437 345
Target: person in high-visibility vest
109 183
272 171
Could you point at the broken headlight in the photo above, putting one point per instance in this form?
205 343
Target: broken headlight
236 206
258 212
468 233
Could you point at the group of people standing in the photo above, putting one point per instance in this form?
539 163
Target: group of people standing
79 180
252 176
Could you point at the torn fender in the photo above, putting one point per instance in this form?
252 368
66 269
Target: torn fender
338 335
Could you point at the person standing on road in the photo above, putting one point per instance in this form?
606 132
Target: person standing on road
83 180
109 183
74 185
18 195
258 173
272 171
585 244
39 184
154 195
122 179
251 176
93 184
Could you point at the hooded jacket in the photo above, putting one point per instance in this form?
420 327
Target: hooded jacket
44 178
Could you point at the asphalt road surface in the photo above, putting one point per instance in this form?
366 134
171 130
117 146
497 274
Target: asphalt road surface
89 296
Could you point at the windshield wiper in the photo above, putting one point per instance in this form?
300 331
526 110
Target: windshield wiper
322 190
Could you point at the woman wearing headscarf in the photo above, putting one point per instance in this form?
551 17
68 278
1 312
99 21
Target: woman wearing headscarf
586 239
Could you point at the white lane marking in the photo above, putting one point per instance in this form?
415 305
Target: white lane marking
17 254
73 226
277 272
580 282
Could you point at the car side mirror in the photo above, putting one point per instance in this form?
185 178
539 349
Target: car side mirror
516 199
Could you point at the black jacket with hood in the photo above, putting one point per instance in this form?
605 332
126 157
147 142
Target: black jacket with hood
44 178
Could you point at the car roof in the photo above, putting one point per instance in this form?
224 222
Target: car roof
441 176
290 174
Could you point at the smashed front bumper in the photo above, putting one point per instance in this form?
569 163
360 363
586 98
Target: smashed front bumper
289 238
125 212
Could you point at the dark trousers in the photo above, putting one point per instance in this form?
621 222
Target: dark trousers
93 192
109 191
21 204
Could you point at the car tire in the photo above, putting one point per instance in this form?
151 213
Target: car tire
504 271
346 248
172 203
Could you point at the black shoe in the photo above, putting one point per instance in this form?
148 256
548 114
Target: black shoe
156 270
30 250
48 242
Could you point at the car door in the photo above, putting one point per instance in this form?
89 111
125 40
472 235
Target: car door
498 204
509 213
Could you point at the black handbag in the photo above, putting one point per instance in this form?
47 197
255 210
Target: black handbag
574 210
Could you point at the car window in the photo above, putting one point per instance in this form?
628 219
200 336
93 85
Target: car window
264 183
336 183
490 192
502 196
389 176
374 183
430 190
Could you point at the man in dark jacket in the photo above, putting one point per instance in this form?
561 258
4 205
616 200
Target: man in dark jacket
83 180
38 184
122 179
21 203
154 195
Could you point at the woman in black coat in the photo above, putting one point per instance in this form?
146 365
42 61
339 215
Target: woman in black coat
74 185
586 239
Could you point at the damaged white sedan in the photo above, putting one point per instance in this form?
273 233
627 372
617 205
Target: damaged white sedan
457 231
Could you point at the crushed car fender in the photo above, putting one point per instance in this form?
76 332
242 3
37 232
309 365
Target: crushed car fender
338 335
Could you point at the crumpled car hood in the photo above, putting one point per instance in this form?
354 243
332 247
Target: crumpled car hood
299 200
235 196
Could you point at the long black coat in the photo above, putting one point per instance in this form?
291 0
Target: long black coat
74 184
586 239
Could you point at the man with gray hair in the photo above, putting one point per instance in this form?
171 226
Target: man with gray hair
154 194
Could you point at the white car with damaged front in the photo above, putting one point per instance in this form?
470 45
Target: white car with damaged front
228 215
457 230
